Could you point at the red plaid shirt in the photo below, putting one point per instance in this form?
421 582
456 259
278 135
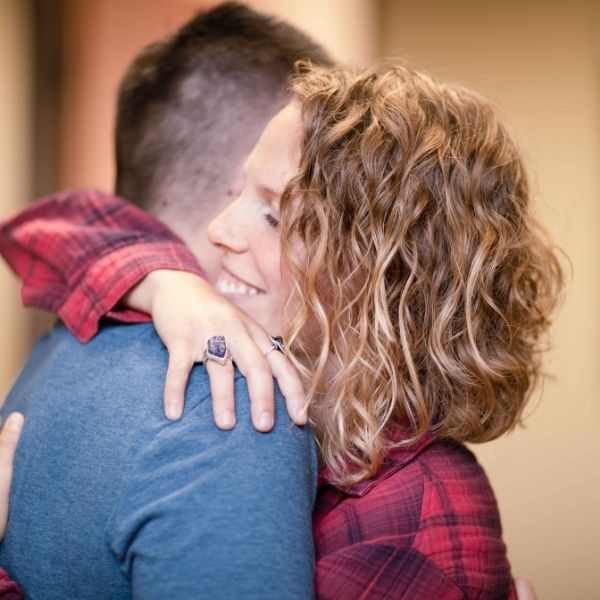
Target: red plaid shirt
427 526
9 590
77 253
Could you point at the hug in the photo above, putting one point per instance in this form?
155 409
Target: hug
363 236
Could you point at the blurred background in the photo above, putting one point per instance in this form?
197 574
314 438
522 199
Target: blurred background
538 60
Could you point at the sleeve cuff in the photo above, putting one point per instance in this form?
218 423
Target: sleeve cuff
111 277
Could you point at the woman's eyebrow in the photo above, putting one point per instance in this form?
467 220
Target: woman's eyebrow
270 194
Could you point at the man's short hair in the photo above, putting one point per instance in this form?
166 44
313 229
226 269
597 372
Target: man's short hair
191 107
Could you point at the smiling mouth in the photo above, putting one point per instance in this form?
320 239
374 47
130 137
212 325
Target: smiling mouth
231 285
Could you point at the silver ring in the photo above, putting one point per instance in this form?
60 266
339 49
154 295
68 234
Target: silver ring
276 344
216 349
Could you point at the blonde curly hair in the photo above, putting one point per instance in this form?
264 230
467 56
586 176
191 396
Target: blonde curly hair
424 288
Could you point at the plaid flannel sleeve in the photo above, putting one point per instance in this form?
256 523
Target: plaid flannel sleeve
9 590
78 252
382 570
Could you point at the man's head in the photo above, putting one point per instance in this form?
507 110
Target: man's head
191 107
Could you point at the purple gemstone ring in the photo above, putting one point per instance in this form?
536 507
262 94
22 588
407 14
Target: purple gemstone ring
216 349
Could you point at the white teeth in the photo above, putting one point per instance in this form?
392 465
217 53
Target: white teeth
229 287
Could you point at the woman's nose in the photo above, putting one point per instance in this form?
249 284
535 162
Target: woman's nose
226 230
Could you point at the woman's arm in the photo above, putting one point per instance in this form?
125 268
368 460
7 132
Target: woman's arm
186 312
79 254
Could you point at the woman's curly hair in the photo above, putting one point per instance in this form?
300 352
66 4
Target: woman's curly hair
425 286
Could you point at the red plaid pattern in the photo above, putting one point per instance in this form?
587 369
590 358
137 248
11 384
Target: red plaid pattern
426 527
9 590
77 253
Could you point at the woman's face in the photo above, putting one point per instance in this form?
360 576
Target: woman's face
247 230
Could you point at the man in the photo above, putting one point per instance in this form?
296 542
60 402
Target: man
9 438
109 499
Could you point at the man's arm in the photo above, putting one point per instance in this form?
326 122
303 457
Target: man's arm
218 514
9 438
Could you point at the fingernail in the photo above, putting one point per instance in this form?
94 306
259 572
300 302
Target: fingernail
265 420
15 422
227 418
173 411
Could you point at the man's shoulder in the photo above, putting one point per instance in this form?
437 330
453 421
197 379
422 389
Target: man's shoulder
108 394
96 436
122 365
115 383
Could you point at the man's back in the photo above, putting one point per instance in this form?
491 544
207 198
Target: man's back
111 500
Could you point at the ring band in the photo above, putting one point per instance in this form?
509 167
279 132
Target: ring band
276 344
216 350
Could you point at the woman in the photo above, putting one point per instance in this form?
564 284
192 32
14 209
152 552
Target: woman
384 232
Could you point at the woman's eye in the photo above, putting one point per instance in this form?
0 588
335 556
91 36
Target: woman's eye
271 220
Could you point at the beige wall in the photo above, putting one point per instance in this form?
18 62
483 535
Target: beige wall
15 95
347 28
101 38
539 61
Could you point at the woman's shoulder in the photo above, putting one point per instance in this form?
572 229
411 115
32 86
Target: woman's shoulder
430 466
447 484
429 517
447 468
417 485
453 486
458 527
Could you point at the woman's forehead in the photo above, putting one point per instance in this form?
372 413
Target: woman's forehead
275 156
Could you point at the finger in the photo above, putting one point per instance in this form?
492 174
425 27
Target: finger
262 396
178 373
284 372
290 385
9 438
257 371
221 391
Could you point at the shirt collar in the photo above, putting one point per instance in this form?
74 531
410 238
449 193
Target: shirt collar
396 458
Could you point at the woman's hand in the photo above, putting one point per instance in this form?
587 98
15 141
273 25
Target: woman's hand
187 311
9 438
